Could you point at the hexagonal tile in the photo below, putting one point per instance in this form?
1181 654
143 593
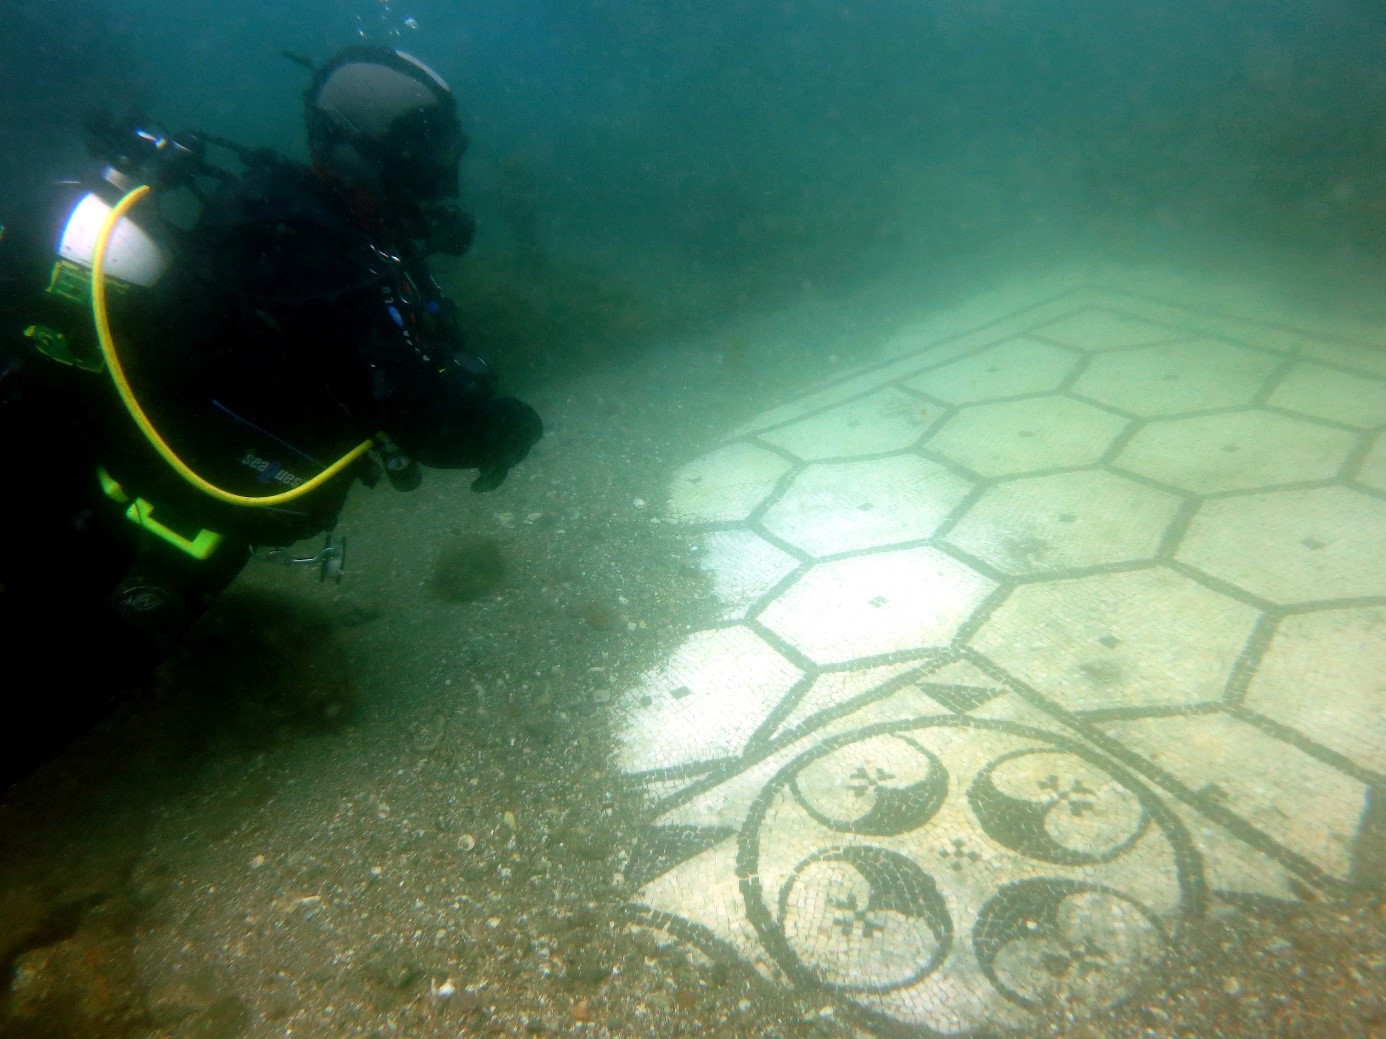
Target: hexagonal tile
1325 676
832 690
1096 329
1026 436
841 507
705 702
1069 520
1293 546
743 567
1373 471
1138 639
1301 803
1009 369
1239 451
887 420
1369 358
870 605
1327 393
1176 378
819 400
728 484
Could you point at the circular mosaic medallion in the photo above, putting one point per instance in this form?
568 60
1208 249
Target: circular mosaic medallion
984 867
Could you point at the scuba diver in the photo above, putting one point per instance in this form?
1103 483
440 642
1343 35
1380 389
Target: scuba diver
195 364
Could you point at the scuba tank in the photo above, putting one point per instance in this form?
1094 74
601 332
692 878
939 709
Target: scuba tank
133 256
130 154
134 152
105 259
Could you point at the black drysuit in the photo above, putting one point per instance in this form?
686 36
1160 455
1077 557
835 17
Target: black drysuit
285 332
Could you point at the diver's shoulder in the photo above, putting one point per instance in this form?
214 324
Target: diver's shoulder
276 183
284 199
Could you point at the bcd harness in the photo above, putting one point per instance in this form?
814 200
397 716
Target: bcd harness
75 282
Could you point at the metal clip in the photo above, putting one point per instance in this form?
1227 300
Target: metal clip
330 559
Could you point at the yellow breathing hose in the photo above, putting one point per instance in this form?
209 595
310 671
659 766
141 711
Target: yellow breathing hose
103 335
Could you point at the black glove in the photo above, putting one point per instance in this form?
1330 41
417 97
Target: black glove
447 229
510 428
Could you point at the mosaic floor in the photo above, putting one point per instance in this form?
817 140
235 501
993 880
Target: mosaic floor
1039 640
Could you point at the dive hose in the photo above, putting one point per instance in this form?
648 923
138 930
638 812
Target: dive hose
127 395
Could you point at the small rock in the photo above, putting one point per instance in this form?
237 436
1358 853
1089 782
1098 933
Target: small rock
587 967
279 1005
227 1018
391 970
598 615
351 612
79 986
469 571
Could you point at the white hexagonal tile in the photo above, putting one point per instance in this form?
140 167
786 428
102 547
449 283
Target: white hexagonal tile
1293 546
1023 436
1298 801
870 605
1373 471
842 507
743 567
1176 378
1327 393
1068 520
887 420
822 399
705 703
1138 639
1239 451
728 484
1325 676
1369 358
832 691
1009 369
1098 329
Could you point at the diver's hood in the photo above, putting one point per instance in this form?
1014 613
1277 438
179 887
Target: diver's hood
385 122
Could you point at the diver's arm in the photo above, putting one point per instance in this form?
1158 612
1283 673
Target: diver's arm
440 403
449 417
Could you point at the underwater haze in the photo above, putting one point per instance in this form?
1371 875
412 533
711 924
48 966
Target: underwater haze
949 598
800 134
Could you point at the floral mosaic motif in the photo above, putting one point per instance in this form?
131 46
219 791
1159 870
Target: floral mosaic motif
884 787
1055 807
873 920
1049 943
